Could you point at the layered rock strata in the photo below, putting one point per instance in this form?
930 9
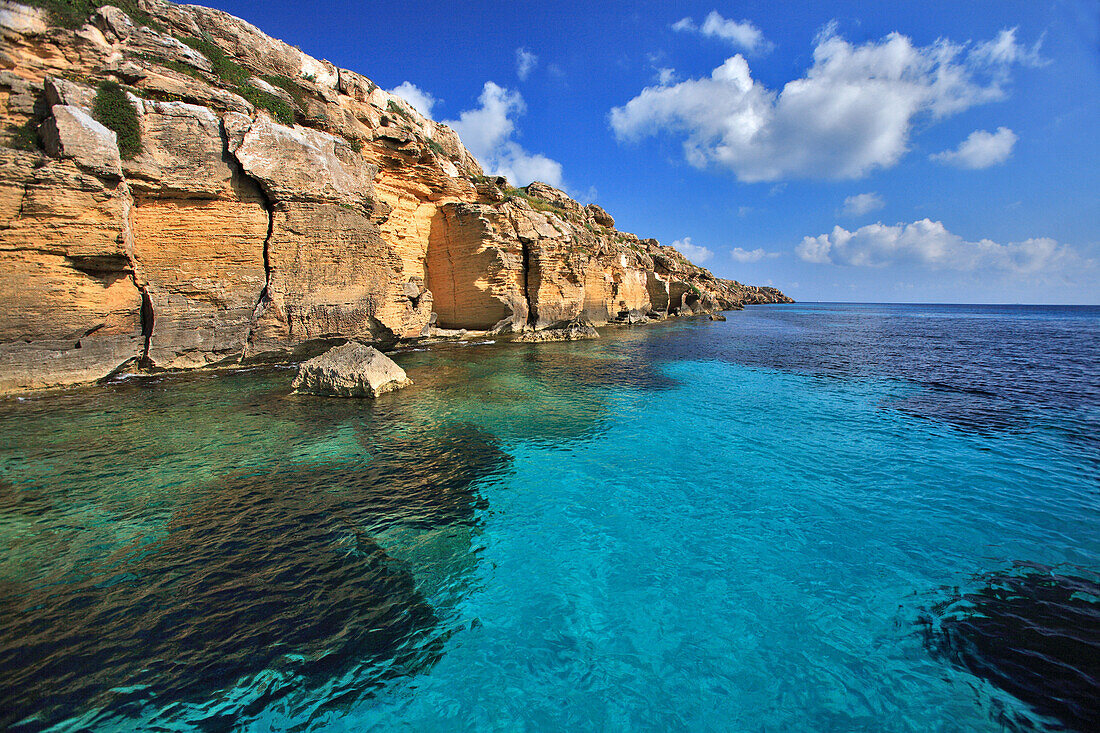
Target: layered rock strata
277 204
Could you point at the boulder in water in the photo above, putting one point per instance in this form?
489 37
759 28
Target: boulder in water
351 370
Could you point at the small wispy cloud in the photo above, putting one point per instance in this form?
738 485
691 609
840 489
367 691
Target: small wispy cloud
666 76
861 204
526 61
751 255
742 35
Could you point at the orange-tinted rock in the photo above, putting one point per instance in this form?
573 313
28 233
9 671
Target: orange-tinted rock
232 236
69 308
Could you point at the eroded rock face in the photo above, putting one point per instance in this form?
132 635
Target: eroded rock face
199 226
234 236
475 269
330 272
351 370
70 310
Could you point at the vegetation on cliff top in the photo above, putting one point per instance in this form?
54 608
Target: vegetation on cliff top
115 111
75 13
237 78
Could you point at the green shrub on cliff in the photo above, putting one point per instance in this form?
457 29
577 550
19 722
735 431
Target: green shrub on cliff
225 68
115 112
398 110
436 148
537 204
289 86
277 107
236 77
24 137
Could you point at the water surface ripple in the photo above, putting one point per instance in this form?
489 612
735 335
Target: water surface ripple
815 517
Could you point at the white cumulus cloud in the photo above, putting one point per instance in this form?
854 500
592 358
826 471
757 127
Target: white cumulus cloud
421 100
743 35
929 244
861 204
693 252
526 61
851 113
487 132
981 149
751 255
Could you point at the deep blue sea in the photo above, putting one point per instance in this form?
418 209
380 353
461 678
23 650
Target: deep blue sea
812 517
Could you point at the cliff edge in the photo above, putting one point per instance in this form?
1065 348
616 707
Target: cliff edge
178 189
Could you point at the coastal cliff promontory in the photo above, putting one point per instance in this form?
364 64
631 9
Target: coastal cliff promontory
178 189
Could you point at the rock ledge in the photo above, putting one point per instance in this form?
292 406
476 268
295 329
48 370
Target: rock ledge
575 331
351 370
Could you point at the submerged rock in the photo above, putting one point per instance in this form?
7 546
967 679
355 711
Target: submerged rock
717 317
265 585
575 331
267 575
351 370
1034 633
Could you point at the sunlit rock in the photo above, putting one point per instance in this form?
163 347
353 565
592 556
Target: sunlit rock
351 370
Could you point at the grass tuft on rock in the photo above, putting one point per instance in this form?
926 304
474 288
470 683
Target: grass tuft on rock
277 107
400 111
538 204
225 68
436 148
114 111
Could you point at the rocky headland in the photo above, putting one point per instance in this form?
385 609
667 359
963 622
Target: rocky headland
179 190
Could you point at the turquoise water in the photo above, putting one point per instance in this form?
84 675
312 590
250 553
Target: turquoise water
687 526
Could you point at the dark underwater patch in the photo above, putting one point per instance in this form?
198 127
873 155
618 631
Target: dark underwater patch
569 367
426 478
273 570
971 409
1032 631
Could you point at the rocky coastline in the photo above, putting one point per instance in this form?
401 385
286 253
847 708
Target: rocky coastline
179 190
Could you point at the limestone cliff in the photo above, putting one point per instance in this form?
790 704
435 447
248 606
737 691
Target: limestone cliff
270 202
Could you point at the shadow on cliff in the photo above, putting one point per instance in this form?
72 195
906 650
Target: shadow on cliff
267 583
1031 631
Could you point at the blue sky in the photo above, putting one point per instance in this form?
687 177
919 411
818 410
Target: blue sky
903 152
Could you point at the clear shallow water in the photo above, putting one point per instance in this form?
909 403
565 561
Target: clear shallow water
749 525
